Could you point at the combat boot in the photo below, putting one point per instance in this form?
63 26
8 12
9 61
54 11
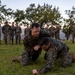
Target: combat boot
16 59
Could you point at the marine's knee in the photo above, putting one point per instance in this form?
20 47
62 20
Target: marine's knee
67 62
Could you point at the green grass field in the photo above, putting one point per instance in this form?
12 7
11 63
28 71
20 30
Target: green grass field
7 67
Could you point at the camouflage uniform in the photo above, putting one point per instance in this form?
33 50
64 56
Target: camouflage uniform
18 32
52 31
29 53
0 33
6 32
12 33
73 33
57 32
26 30
60 50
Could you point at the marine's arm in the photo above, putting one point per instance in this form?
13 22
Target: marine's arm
25 55
48 66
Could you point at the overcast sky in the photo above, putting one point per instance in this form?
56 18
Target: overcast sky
23 4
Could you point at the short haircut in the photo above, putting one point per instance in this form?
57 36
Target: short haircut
44 41
35 25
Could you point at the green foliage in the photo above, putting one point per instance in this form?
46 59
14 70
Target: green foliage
43 14
19 15
71 14
4 12
7 67
67 31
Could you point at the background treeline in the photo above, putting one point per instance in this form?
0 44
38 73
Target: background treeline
42 14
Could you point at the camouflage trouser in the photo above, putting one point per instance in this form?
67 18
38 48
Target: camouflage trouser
7 38
0 37
65 57
26 57
18 38
12 38
73 36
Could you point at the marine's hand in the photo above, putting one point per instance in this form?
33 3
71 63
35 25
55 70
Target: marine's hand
35 72
36 47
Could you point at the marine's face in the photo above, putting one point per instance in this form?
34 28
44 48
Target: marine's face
6 23
35 31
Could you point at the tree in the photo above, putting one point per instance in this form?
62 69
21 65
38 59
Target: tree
5 13
71 14
19 15
30 12
66 30
69 22
43 14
